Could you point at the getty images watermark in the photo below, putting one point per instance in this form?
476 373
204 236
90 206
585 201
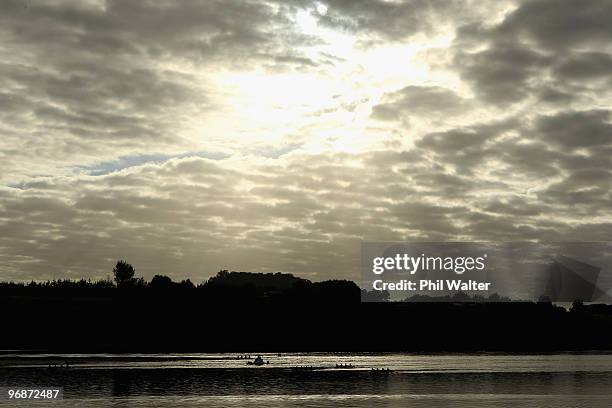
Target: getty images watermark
486 271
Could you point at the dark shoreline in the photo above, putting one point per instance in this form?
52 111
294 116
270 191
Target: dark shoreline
77 326
234 312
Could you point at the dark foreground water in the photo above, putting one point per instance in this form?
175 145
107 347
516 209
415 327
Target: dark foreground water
223 380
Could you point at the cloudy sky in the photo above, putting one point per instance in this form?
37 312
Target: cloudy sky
193 136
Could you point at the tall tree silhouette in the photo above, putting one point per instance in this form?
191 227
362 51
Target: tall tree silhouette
123 272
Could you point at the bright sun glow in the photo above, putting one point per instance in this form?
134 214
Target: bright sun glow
324 109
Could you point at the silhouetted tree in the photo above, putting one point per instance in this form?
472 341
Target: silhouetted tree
137 282
186 284
375 295
161 282
260 281
123 273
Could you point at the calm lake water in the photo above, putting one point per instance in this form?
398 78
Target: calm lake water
223 380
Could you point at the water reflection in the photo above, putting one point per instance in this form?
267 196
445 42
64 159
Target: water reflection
432 381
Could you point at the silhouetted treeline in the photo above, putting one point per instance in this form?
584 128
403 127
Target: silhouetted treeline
225 286
250 312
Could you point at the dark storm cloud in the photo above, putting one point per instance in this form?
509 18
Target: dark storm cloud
439 221
585 193
582 129
503 227
502 73
549 25
461 142
465 149
551 95
418 100
585 65
547 146
561 24
536 49
442 185
520 158
191 29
